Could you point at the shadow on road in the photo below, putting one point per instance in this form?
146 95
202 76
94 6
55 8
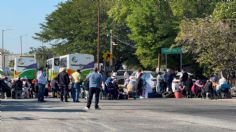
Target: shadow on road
33 106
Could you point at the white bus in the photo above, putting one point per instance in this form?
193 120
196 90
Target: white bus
72 62
53 66
25 67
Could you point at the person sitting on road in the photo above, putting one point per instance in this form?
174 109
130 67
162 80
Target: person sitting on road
131 88
111 87
223 87
197 88
210 88
26 88
35 87
19 84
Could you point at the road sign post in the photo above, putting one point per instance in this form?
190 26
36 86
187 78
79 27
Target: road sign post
167 51
107 56
171 50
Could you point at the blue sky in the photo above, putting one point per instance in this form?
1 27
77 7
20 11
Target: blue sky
23 17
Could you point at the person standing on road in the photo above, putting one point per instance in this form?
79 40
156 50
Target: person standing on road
95 84
169 78
55 87
63 82
76 86
41 77
159 85
139 83
184 78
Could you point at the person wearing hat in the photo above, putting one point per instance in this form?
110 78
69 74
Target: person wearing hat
63 82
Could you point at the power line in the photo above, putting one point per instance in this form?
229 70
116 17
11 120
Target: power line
123 42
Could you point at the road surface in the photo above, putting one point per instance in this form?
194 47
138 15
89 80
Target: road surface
163 115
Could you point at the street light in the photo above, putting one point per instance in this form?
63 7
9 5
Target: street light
98 35
111 50
111 47
21 44
3 56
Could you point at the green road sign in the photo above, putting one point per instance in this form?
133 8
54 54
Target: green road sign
171 50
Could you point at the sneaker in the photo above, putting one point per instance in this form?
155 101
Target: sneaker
141 97
98 108
86 108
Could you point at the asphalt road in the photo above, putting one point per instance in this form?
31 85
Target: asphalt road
160 115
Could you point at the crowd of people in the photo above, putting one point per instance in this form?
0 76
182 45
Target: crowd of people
64 86
170 83
212 87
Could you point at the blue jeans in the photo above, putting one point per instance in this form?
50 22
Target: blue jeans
41 92
76 92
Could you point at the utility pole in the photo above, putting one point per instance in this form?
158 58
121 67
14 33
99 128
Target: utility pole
98 34
21 45
111 50
3 49
159 61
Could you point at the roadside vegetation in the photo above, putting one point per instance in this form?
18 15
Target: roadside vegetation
204 29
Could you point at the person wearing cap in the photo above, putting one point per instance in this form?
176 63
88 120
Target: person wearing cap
210 87
95 84
63 82
76 85
41 77
110 87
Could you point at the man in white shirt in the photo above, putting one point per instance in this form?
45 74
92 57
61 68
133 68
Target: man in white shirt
41 77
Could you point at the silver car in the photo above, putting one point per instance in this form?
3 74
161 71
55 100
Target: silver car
120 76
148 77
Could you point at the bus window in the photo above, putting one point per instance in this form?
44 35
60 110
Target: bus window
63 62
49 64
56 62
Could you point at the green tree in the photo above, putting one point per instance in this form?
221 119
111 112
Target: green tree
72 27
192 8
225 10
124 51
42 54
152 26
212 43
